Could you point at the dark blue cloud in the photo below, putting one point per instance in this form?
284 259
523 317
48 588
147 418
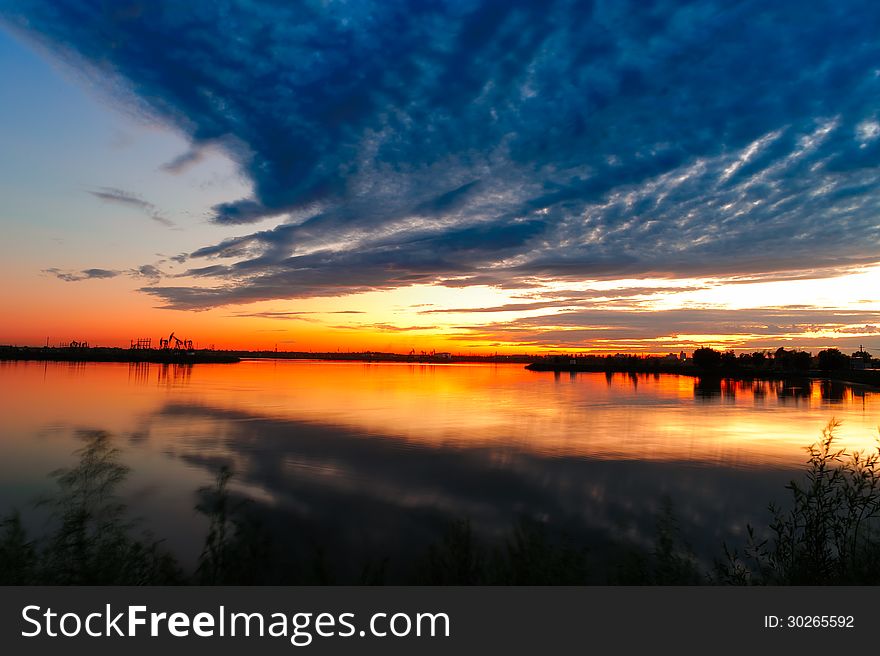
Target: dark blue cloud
430 141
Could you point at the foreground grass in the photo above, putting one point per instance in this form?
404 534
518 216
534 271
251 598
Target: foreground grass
92 543
827 534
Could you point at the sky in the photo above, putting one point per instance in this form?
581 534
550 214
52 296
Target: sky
472 176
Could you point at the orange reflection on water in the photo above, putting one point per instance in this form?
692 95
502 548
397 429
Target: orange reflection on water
502 407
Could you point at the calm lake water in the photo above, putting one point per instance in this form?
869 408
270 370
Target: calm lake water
374 457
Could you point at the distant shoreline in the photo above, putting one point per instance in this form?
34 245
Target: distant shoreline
206 356
636 366
108 354
867 377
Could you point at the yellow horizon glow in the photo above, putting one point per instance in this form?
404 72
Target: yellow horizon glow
433 317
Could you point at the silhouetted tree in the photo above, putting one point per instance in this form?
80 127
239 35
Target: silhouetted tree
706 358
799 361
833 360
729 360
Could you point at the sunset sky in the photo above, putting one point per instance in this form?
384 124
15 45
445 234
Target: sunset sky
461 176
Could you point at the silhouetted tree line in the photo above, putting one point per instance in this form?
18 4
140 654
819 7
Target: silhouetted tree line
826 534
794 361
706 361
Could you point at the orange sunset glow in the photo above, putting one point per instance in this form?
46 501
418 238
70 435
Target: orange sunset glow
477 319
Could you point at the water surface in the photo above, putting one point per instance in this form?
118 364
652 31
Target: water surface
371 459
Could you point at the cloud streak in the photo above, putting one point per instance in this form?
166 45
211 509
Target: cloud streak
611 329
148 271
85 274
128 199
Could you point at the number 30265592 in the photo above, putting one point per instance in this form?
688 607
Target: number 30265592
809 621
